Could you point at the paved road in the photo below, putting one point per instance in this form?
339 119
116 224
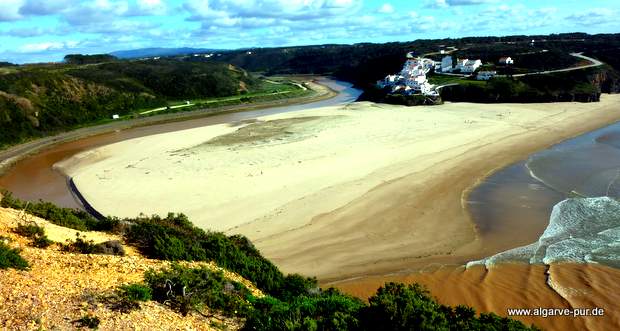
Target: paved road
594 63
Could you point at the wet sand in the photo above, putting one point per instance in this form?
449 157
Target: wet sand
367 189
518 286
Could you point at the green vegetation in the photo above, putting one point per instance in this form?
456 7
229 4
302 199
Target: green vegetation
34 232
292 302
88 321
363 64
70 218
175 238
83 246
88 59
40 100
326 310
10 258
136 292
196 289
562 86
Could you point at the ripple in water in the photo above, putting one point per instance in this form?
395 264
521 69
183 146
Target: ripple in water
587 166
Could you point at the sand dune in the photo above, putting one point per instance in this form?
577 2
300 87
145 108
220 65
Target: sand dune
339 191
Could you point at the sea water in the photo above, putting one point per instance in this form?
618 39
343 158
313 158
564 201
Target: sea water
561 203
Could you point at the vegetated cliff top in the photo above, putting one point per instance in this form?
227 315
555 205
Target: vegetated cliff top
37 100
62 287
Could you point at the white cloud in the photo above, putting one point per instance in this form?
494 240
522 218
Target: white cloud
47 46
95 12
278 9
151 7
594 16
44 7
386 8
455 3
9 10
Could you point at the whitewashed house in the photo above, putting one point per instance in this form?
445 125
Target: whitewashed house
468 66
411 79
446 64
506 61
486 75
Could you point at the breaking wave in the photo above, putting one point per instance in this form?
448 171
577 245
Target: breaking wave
580 230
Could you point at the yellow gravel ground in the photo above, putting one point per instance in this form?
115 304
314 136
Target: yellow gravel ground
61 287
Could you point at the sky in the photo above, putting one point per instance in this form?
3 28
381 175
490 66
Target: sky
46 30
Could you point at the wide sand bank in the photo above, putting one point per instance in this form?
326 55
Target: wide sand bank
340 191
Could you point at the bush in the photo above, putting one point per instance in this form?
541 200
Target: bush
187 289
42 242
34 232
136 292
31 230
112 247
410 307
175 238
67 217
329 310
80 245
10 258
88 321
402 307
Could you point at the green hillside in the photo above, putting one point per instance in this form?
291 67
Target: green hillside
39 100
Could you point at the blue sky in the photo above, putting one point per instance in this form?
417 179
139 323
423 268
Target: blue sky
46 30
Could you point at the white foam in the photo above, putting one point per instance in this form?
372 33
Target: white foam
579 231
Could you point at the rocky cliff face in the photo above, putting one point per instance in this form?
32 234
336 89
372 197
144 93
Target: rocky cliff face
606 80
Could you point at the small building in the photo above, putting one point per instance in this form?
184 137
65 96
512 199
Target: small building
115 117
507 60
446 64
486 75
468 66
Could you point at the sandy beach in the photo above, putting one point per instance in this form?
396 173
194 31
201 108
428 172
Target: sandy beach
336 192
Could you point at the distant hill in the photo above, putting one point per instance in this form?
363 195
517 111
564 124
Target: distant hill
150 52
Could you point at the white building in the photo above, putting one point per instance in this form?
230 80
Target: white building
411 79
446 64
486 75
468 66
506 61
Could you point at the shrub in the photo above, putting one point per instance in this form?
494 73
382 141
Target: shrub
10 258
329 310
410 307
136 292
67 217
88 321
30 230
42 242
175 238
401 307
187 289
112 247
80 245
34 232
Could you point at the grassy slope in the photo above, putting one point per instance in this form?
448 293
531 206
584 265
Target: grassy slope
44 99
